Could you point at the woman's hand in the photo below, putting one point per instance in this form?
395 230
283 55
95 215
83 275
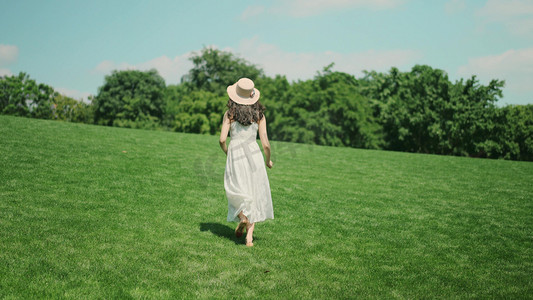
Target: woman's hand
269 164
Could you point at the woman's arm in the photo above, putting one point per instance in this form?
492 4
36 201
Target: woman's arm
224 133
264 141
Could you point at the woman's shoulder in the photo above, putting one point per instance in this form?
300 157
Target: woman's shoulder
225 117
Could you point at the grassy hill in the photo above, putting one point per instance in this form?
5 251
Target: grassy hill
99 212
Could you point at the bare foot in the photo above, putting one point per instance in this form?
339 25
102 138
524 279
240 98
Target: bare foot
249 234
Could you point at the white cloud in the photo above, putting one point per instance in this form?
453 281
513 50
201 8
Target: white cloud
513 66
521 27
75 94
305 8
303 66
171 69
5 72
455 6
106 66
515 15
314 7
252 11
8 54
274 60
503 9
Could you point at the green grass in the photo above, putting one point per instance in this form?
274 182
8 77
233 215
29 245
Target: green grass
80 218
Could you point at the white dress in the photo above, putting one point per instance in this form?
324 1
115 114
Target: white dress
245 178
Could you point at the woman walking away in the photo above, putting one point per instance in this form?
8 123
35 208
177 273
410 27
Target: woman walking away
245 178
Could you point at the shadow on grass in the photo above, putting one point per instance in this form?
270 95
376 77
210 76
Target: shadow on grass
223 231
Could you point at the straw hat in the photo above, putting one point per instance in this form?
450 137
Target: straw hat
243 92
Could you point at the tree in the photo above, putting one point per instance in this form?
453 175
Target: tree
198 112
472 118
70 110
214 70
411 108
328 110
346 108
422 111
514 132
275 95
130 99
22 96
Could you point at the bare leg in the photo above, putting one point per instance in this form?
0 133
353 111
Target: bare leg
240 228
249 234
243 218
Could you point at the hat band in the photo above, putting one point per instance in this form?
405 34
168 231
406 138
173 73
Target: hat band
244 93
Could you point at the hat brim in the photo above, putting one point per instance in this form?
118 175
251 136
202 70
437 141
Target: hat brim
232 93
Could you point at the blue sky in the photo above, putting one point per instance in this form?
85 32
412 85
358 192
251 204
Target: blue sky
72 45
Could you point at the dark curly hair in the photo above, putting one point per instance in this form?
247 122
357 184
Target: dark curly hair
245 114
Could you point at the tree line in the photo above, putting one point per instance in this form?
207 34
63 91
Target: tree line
420 110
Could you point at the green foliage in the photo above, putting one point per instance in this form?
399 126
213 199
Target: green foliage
416 111
514 132
67 109
214 70
130 99
472 126
328 110
22 96
274 94
196 111
422 111
346 108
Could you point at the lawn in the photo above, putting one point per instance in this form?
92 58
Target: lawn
100 212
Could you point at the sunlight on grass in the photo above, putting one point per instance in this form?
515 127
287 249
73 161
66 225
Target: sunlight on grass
99 212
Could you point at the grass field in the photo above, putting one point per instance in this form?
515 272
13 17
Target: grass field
99 212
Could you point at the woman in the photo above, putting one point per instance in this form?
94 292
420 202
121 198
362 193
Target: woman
245 178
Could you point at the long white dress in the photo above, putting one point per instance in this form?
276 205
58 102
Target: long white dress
245 178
